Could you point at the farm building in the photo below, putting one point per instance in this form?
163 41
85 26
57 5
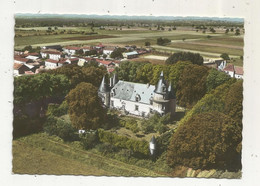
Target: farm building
138 99
130 55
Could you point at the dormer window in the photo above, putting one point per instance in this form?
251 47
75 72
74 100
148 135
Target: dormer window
137 98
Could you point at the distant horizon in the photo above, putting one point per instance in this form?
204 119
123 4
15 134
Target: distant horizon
129 17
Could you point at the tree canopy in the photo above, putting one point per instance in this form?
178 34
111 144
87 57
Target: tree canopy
195 58
39 86
207 140
85 109
225 56
216 78
192 85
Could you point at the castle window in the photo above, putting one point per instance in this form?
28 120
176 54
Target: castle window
112 103
136 107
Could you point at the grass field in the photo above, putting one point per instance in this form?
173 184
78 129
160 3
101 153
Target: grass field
43 154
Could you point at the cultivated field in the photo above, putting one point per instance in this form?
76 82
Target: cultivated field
182 39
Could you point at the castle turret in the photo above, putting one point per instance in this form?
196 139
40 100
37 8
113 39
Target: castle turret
161 87
103 93
160 98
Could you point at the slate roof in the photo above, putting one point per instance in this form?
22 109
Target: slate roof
161 85
128 91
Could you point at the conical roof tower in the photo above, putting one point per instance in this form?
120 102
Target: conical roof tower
161 87
103 86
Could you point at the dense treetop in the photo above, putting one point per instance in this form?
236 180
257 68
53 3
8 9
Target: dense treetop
195 58
85 108
207 140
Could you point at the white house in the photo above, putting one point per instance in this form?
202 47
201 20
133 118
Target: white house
53 54
239 72
234 71
138 99
51 64
71 50
230 70
108 50
21 60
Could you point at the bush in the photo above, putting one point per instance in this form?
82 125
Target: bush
123 142
89 140
60 128
156 123
130 124
57 110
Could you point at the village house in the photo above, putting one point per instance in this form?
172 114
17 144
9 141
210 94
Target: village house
52 64
20 69
22 60
234 71
71 50
72 60
239 72
138 99
86 48
108 50
104 63
51 53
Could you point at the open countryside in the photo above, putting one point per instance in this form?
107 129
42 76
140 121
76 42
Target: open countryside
128 97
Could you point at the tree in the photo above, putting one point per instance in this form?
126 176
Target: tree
39 86
175 73
162 41
80 52
216 78
117 53
237 32
28 48
206 141
195 58
147 43
192 85
227 30
85 109
225 56
234 102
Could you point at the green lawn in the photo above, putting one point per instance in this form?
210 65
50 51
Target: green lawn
44 154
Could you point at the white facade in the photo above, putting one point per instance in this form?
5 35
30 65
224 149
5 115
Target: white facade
55 56
107 52
135 108
50 65
238 76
